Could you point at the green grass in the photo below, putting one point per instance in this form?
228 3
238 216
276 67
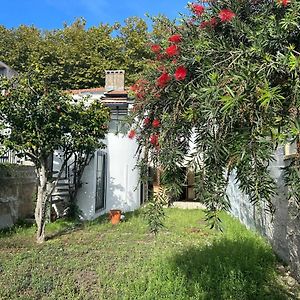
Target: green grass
100 261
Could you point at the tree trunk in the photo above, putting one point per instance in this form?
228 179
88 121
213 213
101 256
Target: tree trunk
40 209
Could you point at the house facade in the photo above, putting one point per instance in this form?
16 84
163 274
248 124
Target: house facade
111 179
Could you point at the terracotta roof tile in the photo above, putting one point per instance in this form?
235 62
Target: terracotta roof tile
93 90
97 90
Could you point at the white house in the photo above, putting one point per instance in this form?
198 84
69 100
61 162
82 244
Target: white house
111 180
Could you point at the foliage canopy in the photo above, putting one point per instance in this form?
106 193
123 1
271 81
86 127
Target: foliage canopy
75 56
38 120
225 90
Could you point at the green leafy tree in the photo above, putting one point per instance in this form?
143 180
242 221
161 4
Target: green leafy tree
222 92
76 56
42 119
134 39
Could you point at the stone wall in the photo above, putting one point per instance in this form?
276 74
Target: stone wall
17 190
283 228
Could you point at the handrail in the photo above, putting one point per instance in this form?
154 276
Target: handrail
9 157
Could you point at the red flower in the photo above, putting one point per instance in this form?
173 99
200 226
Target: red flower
159 56
198 9
163 80
147 121
176 38
155 123
131 134
139 88
211 23
204 24
155 48
133 87
154 139
226 15
180 73
284 2
172 50
140 95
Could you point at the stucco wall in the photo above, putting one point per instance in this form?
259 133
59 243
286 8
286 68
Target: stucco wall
17 189
283 229
122 178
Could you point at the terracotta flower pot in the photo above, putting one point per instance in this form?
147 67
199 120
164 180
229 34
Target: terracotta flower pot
115 216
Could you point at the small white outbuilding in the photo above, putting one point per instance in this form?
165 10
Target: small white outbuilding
111 180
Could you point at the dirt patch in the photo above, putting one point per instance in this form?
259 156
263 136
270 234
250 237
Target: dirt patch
86 280
197 230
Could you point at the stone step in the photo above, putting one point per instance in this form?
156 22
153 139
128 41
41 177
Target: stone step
64 182
62 188
61 193
58 200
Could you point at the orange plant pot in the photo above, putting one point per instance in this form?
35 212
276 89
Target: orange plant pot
115 216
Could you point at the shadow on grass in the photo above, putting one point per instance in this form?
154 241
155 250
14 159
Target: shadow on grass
229 269
139 213
62 227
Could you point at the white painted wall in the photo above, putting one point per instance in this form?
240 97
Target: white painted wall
122 188
122 182
87 193
283 228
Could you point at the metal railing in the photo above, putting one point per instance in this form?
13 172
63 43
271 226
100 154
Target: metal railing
10 157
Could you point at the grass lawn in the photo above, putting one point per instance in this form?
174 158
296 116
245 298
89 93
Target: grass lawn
100 261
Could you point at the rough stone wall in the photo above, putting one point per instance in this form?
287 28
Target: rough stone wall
283 228
17 190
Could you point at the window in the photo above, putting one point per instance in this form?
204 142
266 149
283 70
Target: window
118 120
101 181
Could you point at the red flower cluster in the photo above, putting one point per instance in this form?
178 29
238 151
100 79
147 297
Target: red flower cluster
155 48
139 88
198 9
284 2
172 50
154 139
159 56
163 80
155 123
180 73
211 23
226 15
176 38
147 121
131 134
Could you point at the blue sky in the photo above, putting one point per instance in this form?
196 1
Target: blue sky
49 14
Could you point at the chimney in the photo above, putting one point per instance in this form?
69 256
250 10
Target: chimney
114 80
